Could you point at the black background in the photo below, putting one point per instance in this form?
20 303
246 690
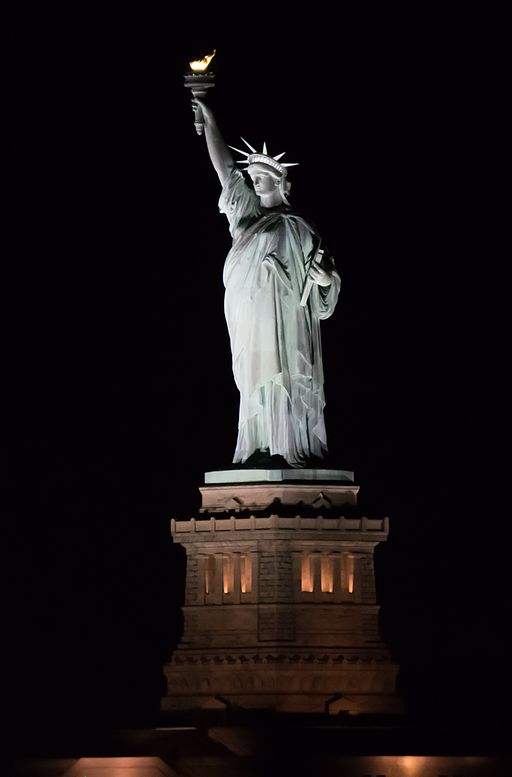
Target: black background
122 387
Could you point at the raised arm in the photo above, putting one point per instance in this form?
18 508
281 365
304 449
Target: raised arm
220 154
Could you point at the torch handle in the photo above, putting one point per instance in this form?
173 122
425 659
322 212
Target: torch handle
198 113
199 85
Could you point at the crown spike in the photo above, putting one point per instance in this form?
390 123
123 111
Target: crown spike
248 146
264 149
239 151
289 164
278 157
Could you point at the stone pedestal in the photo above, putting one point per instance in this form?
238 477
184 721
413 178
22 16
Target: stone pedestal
280 609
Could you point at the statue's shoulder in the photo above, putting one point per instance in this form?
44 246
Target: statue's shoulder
302 221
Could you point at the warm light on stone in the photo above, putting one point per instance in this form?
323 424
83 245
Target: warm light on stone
350 568
140 766
326 575
228 574
306 575
245 574
209 575
280 609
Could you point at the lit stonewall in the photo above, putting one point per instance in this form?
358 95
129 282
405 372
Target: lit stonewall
280 608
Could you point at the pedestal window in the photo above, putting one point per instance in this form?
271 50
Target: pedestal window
326 574
228 578
209 575
348 569
306 574
228 574
245 574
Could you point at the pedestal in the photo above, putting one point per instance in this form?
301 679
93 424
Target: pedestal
280 608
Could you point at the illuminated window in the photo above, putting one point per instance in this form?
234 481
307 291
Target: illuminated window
245 574
347 574
228 575
326 575
306 578
209 575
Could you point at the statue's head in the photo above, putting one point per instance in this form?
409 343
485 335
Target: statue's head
272 173
266 179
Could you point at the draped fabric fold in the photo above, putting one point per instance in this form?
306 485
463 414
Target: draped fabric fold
275 342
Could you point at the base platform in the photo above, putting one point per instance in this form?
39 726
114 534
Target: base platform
277 475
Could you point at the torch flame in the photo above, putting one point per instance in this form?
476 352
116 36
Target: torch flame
200 65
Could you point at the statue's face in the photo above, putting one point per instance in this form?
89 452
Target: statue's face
263 182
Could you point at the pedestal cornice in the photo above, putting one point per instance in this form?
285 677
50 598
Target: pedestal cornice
262 496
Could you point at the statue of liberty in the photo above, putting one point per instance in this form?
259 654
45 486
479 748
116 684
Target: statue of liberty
279 285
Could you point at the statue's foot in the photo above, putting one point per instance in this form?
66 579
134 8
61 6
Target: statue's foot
263 460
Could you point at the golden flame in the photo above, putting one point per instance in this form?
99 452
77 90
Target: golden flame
200 65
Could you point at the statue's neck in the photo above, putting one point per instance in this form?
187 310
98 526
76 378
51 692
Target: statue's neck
271 200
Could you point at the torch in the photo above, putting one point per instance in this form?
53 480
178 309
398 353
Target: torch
199 81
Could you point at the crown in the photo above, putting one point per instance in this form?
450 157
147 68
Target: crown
263 158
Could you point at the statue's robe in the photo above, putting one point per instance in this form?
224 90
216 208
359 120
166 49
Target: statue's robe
275 342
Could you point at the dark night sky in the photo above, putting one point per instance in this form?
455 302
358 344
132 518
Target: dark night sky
123 393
